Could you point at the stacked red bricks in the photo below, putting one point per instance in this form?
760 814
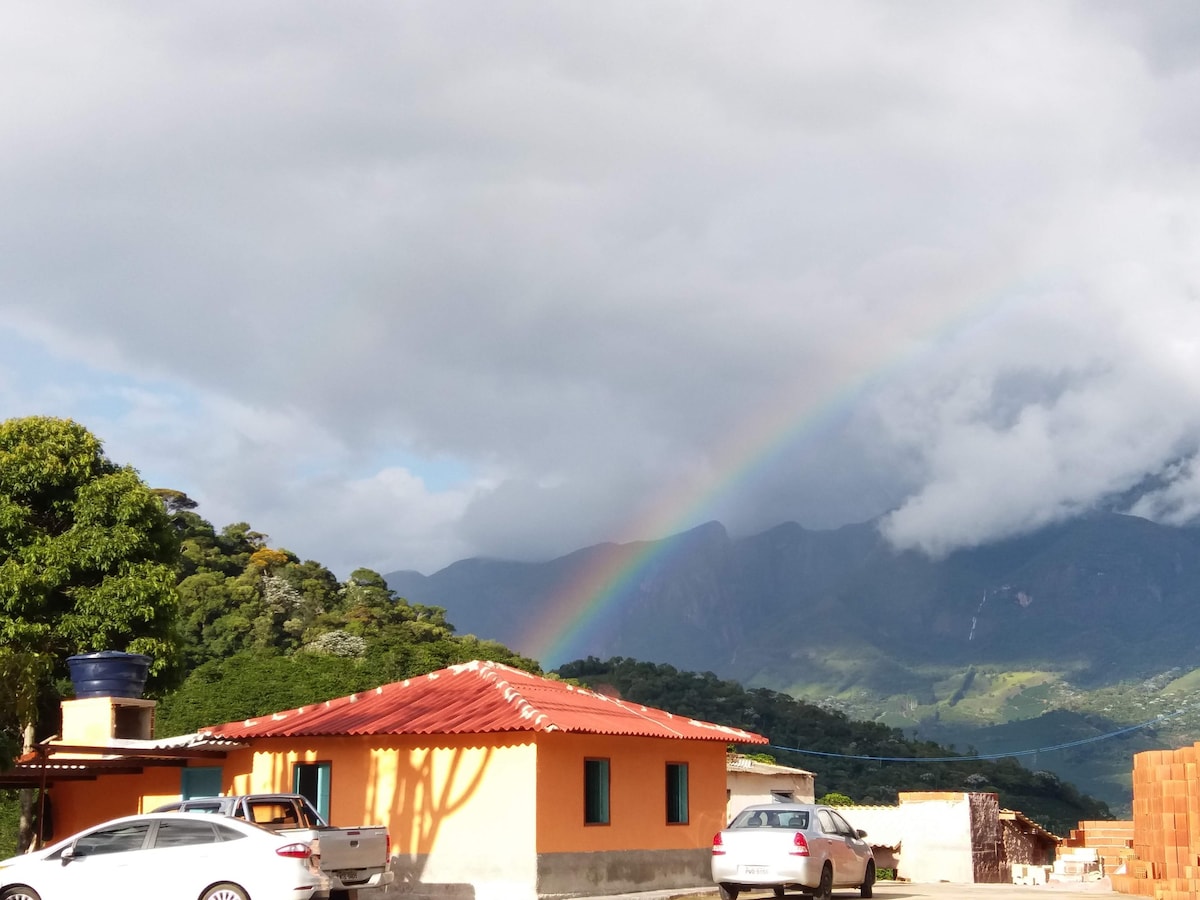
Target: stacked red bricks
1166 826
1112 841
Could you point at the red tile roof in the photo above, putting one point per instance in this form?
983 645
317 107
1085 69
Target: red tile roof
479 697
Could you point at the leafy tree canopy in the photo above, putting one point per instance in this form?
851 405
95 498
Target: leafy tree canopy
87 560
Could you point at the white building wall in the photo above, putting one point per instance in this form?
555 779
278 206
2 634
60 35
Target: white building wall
749 788
934 836
483 840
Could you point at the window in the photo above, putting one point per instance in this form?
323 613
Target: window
200 781
119 839
202 806
184 834
781 796
312 780
677 793
842 826
595 791
273 812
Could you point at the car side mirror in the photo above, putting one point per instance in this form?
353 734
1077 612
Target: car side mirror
67 855
860 832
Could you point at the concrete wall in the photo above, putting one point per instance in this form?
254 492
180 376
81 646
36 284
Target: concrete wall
951 836
933 830
748 788
622 871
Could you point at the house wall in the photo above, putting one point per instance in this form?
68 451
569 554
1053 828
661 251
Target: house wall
485 817
1024 848
81 804
637 850
747 788
459 808
988 860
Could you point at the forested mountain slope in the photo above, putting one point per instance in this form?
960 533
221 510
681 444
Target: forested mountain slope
1097 617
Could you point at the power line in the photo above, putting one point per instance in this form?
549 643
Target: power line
987 756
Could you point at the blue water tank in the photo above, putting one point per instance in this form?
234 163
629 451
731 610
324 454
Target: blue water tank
109 673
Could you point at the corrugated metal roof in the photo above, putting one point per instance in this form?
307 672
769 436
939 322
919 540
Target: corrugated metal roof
736 762
1022 819
479 697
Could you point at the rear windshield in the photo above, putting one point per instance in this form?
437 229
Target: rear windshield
769 818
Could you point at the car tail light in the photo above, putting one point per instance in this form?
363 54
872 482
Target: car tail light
799 845
718 845
387 851
295 851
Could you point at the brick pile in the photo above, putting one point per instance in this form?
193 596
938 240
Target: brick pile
1112 841
1166 826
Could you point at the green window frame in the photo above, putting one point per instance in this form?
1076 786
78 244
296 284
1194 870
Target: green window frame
677 793
595 791
312 781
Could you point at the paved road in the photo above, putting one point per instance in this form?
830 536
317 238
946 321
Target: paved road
902 890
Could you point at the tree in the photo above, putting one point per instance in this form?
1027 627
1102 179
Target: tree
87 562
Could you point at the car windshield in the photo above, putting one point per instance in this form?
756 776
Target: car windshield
771 818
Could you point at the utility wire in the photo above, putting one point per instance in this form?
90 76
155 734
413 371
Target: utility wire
988 756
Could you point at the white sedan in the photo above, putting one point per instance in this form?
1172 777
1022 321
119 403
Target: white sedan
164 856
786 846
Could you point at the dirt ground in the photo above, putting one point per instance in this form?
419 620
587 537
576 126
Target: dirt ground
902 890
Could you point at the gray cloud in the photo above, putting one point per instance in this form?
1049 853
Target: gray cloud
617 268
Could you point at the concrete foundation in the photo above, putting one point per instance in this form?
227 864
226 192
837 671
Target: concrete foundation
621 871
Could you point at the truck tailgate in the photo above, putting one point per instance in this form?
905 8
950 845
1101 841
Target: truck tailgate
352 848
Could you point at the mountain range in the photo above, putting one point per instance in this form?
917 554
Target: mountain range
1067 636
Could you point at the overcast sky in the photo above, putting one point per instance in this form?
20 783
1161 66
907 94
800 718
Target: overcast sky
401 283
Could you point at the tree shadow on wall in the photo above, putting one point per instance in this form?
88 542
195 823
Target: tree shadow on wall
428 786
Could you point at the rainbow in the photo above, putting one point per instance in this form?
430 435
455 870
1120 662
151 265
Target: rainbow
577 606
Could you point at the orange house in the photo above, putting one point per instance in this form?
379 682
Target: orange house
494 783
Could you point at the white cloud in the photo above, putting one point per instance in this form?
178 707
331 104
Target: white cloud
406 282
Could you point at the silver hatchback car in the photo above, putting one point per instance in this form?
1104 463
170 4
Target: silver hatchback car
800 846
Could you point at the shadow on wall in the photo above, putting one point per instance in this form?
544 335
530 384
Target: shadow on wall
427 786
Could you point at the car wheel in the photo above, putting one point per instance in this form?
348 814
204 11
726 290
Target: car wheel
867 888
226 890
779 892
824 890
19 892
727 891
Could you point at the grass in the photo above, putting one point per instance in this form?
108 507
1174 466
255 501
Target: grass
10 816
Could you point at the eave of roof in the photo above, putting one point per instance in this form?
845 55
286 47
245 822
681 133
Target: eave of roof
479 697
740 764
1024 820
53 761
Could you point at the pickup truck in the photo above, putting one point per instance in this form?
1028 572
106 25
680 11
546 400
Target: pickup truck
351 858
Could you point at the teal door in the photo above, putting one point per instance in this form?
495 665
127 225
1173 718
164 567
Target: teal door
312 780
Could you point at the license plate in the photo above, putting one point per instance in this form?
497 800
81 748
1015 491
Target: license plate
754 870
350 874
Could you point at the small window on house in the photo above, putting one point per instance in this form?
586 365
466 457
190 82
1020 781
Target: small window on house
782 796
677 793
199 781
595 791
